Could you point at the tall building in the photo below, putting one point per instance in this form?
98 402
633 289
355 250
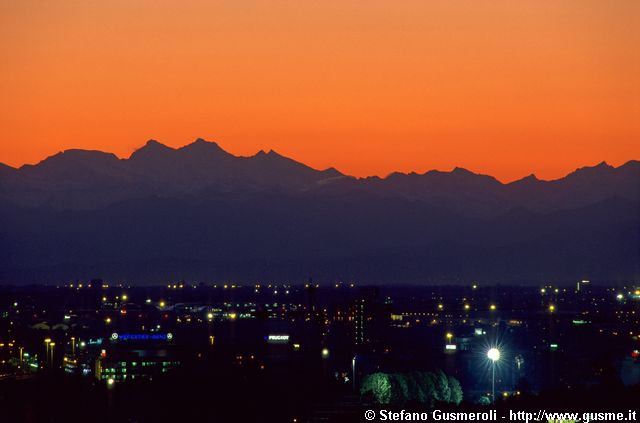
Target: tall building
368 317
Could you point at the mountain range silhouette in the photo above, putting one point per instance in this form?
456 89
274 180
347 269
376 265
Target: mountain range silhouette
199 213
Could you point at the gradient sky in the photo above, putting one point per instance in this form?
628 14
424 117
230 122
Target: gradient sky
501 87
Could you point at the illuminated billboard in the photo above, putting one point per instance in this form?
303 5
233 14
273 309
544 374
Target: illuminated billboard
277 339
141 336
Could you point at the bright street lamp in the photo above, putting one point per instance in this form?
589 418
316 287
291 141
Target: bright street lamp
494 355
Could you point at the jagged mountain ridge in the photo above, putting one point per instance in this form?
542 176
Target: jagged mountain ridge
81 179
200 213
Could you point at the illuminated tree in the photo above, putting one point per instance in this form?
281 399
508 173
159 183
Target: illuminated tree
456 391
423 387
418 390
399 388
441 383
379 385
484 400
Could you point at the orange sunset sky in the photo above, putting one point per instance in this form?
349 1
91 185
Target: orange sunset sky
506 87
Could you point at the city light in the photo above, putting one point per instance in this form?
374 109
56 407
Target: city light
493 354
533 327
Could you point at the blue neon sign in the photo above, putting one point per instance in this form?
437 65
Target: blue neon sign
141 336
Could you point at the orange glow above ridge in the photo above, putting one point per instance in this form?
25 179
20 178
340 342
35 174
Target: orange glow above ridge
502 87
